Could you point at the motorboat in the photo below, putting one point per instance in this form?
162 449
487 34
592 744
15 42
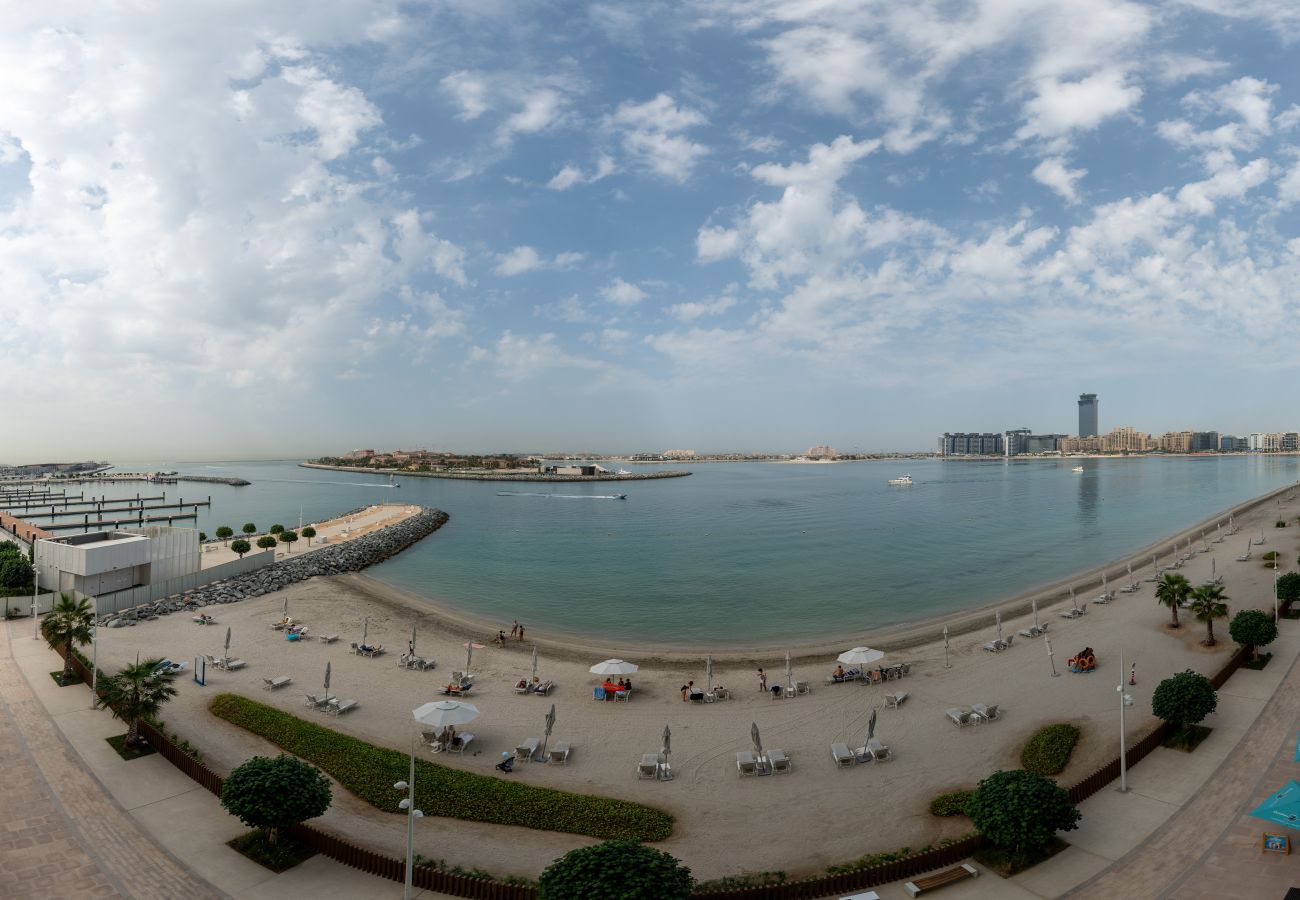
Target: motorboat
901 480
1077 469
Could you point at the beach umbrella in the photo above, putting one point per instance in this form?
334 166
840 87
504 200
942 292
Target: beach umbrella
1050 657
412 640
1297 748
1154 564
1105 587
753 733
365 630
445 713
550 723
668 742
865 656
997 614
871 725
613 667
470 647
1033 603
1130 573
534 660
327 682
708 672
1212 567
227 650
1074 604
1282 807
945 640
286 606
789 679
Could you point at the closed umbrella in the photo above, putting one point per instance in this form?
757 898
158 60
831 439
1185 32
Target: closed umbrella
708 672
871 726
613 667
550 723
997 614
327 682
753 733
286 606
412 640
470 647
789 678
227 650
945 646
1034 604
1074 604
365 630
1212 567
534 660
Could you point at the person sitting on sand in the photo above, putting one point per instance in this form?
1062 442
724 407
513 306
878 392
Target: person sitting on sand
685 688
507 761
838 674
500 639
522 685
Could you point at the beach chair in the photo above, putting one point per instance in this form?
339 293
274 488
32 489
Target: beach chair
778 761
994 646
959 717
842 755
316 701
986 713
431 737
354 648
906 668
598 693
543 687
803 687
649 766
231 665
895 700
327 638
460 742
1028 632
624 695
878 751
1071 614
874 676
1083 608
528 749
278 681
560 753
746 764
339 707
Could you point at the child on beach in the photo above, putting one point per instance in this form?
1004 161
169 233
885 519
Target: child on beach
514 629
762 681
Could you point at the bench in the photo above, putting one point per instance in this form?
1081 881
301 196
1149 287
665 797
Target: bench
938 880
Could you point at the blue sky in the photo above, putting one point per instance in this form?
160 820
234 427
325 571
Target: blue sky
232 229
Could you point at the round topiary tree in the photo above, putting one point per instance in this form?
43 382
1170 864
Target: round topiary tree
241 547
276 529
1253 627
627 870
224 532
1288 586
1020 811
266 542
309 533
287 538
1184 699
275 793
249 528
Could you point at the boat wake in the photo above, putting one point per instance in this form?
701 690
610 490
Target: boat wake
562 496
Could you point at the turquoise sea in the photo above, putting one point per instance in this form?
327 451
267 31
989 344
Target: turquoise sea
755 551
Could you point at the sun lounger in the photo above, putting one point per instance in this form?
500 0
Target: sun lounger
948 876
316 701
460 742
895 700
542 688
624 695
842 755
649 767
354 648
231 665
778 761
528 749
560 753
1071 614
746 764
327 638
278 681
994 646
878 751
339 707
598 693
959 717
1245 557
986 713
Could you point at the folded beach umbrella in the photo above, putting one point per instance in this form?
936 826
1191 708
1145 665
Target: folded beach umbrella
550 724
998 615
668 742
753 733
789 678
227 651
413 640
613 667
365 630
534 660
1034 604
1282 807
871 725
445 713
470 647
286 606
708 671
327 682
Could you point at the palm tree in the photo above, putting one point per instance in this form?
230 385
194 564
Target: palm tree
138 692
1171 590
69 623
1208 604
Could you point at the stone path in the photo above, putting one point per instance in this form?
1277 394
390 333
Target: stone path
61 835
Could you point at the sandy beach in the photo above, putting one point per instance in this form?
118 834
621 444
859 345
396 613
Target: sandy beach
801 822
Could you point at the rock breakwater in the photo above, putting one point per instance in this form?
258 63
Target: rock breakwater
351 556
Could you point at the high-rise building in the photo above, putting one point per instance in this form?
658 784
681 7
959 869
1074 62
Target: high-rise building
962 443
1205 441
1015 441
1088 415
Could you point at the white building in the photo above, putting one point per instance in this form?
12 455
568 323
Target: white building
102 562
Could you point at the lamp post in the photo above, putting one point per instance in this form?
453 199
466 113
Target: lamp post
412 814
946 665
1050 657
36 587
1124 701
94 653
1276 575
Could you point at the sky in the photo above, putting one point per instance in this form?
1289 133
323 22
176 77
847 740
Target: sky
241 229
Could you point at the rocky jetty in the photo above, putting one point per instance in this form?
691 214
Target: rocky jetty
351 556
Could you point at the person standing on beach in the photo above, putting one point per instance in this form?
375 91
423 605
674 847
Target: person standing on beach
762 681
521 632
514 629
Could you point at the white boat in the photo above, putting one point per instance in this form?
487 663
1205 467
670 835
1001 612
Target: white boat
1077 469
903 480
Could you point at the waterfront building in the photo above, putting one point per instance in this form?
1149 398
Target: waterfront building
1205 441
104 562
1125 440
1088 416
1290 441
961 443
821 451
1175 442
1092 444
1230 443
679 454
1255 443
1013 441
1043 443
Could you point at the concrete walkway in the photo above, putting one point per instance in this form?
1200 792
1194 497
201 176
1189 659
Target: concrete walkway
1182 831
77 821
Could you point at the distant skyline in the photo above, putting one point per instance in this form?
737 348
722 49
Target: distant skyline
238 230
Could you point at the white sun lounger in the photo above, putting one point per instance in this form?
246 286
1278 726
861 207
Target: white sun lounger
460 742
339 707
778 761
649 766
959 717
879 752
895 700
278 681
985 713
560 753
528 749
316 701
842 755
327 638
746 764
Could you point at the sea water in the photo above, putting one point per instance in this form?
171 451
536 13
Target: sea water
742 552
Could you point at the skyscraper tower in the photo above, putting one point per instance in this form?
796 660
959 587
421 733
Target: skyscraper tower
1088 415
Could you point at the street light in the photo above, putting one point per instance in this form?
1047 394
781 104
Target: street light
94 653
1124 701
1048 641
408 806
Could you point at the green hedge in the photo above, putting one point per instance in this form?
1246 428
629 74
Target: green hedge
1049 750
370 772
950 804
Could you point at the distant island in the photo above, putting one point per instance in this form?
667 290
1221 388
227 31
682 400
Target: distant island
503 467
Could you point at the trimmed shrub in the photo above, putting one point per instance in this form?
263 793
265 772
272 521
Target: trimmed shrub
625 870
1184 699
1021 811
272 794
952 803
370 772
1253 627
1049 750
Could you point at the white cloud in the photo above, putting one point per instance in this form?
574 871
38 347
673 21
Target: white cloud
572 176
336 112
1053 173
470 93
699 309
713 243
652 136
539 111
567 309
1172 68
622 293
524 259
1062 107
521 358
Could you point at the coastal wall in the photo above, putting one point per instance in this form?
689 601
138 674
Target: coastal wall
490 476
352 556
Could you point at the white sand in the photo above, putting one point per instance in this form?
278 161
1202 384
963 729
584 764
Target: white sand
801 822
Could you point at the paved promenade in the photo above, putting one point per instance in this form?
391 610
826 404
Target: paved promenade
76 821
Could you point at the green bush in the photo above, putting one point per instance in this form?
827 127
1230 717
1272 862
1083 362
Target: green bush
1184 699
952 803
1288 586
1253 627
369 772
1021 811
625 870
1049 750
